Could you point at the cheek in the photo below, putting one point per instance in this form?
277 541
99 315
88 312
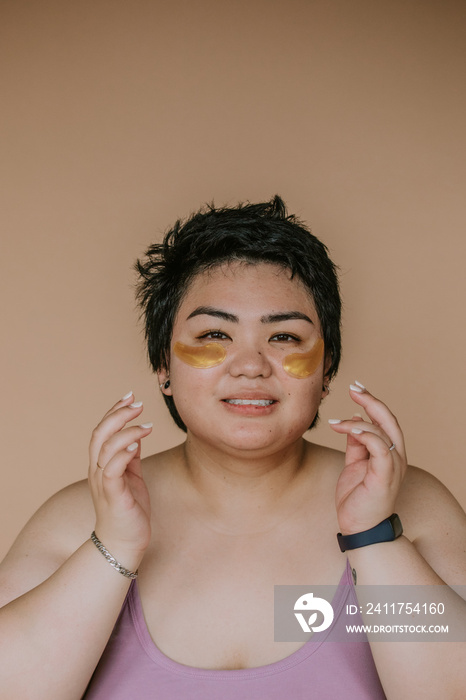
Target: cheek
202 357
303 364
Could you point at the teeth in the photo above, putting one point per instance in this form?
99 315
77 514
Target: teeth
250 402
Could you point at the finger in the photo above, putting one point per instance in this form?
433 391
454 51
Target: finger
113 486
121 460
354 428
384 462
124 401
379 413
109 425
118 442
355 450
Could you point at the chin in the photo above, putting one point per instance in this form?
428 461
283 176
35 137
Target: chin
253 439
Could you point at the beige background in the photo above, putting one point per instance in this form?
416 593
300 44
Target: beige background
121 116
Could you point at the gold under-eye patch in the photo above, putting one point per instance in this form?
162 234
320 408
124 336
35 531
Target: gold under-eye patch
203 356
303 364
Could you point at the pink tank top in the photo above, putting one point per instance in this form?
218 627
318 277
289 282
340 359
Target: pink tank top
132 666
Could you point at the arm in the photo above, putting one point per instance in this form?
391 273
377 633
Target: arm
60 596
431 551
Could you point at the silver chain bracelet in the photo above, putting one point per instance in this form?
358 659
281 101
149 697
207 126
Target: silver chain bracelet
111 560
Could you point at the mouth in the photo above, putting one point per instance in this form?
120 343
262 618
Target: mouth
247 407
250 402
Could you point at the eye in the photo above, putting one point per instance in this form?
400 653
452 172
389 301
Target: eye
213 335
285 338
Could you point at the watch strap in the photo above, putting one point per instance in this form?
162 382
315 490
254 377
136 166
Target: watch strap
386 531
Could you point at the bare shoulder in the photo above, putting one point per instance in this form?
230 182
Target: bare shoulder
435 523
432 518
160 469
55 531
331 457
426 503
326 461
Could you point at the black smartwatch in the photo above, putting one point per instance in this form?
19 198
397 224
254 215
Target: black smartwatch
386 531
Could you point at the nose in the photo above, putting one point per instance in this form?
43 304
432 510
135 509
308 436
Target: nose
250 361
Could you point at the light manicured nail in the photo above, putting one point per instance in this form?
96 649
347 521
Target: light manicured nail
357 415
126 396
132 447
334 421
360 385
146 425
137 404
356 431
358 389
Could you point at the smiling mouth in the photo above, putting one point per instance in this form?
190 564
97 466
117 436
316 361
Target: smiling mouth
250 402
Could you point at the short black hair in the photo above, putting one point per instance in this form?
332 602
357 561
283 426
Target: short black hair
252 233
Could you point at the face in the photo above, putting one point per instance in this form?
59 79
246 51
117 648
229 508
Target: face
247 364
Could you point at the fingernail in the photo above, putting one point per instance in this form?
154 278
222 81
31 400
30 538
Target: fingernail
356 388
146 425
356 431
138 404
359 384
126 396
132 447
357 415
334 421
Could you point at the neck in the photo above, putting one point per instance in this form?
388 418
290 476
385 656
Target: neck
239 494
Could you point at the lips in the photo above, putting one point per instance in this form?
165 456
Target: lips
247 403
250 402
253 397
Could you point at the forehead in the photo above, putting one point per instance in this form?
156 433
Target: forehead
253 288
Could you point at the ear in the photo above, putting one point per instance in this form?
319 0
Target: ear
325 389
326 380
163 378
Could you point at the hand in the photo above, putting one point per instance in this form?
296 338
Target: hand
120 496
368 485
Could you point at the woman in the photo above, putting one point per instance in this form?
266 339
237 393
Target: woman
242 320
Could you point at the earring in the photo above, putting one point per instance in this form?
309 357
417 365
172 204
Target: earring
326 388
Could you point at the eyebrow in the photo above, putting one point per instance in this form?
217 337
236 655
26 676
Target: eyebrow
286 316
270 318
